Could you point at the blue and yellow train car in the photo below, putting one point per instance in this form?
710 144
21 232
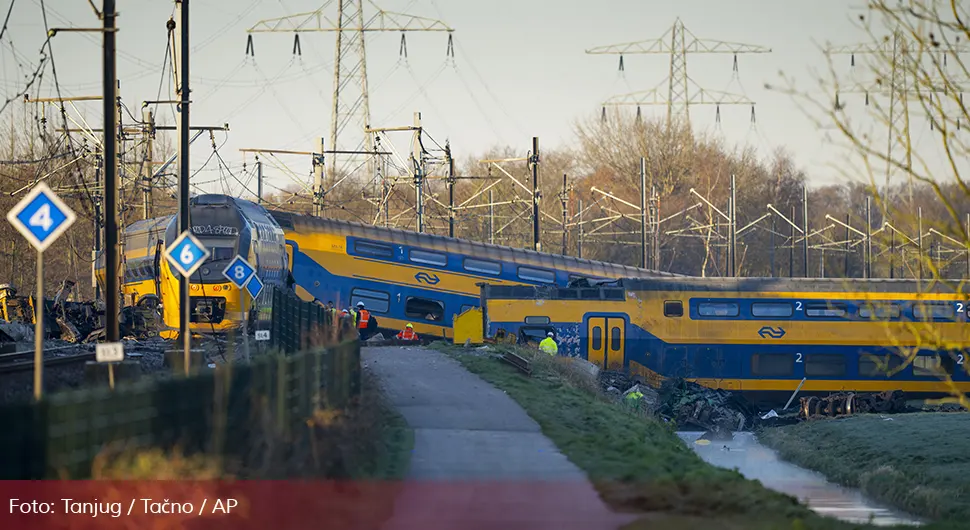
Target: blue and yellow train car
227 226
407 277
761 335
140 261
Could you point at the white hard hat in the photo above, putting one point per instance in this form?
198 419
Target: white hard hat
549 334
360 304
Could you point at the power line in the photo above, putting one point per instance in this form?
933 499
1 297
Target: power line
7 19
57 88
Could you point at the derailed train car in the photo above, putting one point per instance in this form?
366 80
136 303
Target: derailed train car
755 335
423 279
227 226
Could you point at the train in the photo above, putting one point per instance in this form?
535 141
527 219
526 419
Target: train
765 337
423 279
401 276
227 226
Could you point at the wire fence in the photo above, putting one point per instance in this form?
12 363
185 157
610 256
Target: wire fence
222 411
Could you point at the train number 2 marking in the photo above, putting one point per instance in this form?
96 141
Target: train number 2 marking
960 358
798 306
959 307
798 357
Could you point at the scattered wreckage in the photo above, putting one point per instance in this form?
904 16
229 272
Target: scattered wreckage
846 403
719 413
69 321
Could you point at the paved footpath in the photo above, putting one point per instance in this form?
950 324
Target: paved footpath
479 460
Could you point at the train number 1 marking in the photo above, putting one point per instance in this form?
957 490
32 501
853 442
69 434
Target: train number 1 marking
798 306
798 357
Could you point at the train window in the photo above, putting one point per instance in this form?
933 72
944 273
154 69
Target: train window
424 309
926 365
374 301
772 364
933 311
536 275
373 249
878 365
824 364
615 339
879 311
537 320
482 266
718 309
825 310
673 308
597 337
771 309
429 258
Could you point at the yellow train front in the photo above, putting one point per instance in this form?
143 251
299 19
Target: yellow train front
762 336
228 227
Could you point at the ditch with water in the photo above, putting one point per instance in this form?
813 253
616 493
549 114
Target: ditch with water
758 462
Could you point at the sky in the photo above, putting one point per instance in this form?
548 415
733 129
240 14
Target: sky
520 70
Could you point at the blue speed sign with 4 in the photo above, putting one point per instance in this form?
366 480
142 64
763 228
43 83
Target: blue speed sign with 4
186 253
239 271
41 216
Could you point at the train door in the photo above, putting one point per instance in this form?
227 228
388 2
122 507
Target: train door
605 341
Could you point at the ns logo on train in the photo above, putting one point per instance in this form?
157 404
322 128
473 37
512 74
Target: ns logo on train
770 332
424 277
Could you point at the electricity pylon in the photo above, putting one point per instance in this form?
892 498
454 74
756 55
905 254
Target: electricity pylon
903 63
678 100
351 100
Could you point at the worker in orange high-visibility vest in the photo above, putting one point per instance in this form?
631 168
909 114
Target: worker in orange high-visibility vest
363 319
407 333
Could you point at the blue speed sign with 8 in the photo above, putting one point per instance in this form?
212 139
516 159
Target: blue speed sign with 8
186 253
41 216
239 271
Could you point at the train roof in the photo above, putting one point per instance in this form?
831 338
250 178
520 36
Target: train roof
614 290
146 225
289 220
794 285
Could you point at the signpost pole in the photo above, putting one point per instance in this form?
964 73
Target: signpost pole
41 217
39 329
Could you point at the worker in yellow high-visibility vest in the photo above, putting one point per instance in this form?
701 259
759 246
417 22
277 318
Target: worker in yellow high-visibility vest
548 345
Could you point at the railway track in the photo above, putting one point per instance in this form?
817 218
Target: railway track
23 361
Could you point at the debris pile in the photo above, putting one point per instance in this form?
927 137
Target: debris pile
846 403
718 412
689 404
72 322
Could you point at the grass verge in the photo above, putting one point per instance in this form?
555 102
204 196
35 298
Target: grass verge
917 462
368 443
638 464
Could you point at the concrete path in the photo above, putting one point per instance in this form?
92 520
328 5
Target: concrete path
479 460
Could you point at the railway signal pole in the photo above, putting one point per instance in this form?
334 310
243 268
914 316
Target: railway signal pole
112 259
534 162
182 92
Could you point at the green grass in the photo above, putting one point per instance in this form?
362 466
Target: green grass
917 462
384 441
639 463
